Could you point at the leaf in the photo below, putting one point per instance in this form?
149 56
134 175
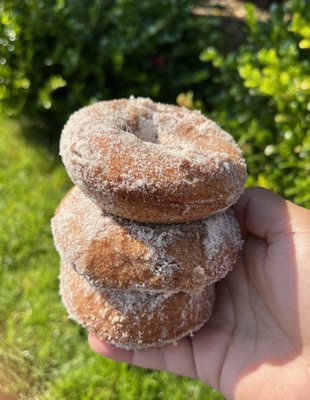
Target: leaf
251 75
22 83
5 18
304 44
208 54
300 26
186 100
284 78
296 23
55 82
305 32
268 56
45 94
250 83
305 83
262 181
267 87
60 4
245 71
250 16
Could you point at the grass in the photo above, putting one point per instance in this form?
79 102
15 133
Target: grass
43 355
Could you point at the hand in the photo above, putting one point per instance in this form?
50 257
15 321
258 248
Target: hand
257 342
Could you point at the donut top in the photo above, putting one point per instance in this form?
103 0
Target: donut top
163 154
116 253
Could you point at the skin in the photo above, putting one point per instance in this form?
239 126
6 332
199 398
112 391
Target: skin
257 342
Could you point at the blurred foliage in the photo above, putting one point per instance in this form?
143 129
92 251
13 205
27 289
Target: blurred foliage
261 94
60 55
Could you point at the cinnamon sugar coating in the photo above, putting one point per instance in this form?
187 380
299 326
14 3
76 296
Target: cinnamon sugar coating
111 252
134 320
152 162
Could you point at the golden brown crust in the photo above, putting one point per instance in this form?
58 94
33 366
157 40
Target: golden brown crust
151 162
115 253
134 320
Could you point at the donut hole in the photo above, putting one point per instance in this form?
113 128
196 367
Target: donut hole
147 130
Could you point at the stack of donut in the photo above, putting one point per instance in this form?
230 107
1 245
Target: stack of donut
147 230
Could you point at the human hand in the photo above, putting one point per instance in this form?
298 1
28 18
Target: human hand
257 342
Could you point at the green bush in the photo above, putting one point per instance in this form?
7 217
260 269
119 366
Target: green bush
56 56
60 55
261 94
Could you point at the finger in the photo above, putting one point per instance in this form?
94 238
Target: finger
176 358
262 213
107 350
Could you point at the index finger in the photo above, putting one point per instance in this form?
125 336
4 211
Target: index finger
262 213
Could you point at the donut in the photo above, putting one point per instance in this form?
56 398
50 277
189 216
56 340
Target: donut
152 162
133 320
115 253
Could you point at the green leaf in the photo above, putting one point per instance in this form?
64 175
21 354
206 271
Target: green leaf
251 75
300 26
250 16
245 71
284 78
268 56
305 84
304 44
22 83
208 54
55 82
305 31
267 87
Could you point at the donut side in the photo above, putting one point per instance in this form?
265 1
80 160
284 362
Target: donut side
151 162
115 253
134 320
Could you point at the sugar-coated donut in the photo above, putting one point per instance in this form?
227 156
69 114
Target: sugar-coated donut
152 162
134 320
112 252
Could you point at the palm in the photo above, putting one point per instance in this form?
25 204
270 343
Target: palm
259 334
254 327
